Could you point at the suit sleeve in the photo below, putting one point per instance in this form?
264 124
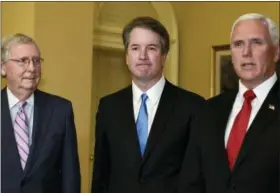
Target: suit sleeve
71 179
101 167
279 139
191 177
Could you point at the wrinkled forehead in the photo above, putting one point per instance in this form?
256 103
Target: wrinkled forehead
251 29
23 49
144 36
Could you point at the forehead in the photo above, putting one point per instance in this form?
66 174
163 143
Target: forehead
253 28
143 36
22 50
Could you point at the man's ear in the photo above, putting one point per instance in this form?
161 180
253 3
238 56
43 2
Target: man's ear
3 69
126 58
278 51
277 54
164 59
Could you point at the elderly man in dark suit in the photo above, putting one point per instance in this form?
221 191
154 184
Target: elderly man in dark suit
142 131
38 137
235 148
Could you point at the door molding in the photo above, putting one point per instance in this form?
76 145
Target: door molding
111 36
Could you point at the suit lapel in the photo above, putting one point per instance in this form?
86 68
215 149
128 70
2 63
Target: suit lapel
165 108
42 112
266 115
128 121
224 110
8 141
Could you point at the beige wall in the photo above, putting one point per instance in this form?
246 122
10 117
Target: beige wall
11 12
64 34
204 24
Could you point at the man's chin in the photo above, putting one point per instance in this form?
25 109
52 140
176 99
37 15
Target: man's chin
29 87
144 78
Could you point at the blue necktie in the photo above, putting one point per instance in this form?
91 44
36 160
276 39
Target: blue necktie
142 124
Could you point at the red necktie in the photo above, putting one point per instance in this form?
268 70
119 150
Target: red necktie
239 128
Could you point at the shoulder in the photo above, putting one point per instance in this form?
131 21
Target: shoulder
51 99
118 96
185 95
4 90
221 98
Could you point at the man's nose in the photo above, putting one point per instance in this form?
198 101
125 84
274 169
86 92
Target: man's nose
143 54
247 50
31 65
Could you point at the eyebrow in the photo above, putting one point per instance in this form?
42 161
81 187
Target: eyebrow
257 39
250 40
156 45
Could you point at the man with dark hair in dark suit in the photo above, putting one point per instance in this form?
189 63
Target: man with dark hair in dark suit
235 145
38 137
142 131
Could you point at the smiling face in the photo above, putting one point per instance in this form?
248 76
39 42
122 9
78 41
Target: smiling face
144 57
22 79
253 53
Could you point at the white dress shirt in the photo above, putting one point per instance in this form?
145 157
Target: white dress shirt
29 109
261 92
154 95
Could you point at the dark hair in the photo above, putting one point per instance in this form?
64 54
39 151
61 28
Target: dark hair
150 24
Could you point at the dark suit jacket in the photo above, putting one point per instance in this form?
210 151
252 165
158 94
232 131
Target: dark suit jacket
279 124
118 165
256 170
52 165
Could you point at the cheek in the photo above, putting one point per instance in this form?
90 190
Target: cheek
129 63
13 72
235 58
155 59
130 59
38 71
263 55
18 74
236 67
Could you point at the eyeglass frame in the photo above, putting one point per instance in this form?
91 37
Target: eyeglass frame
25 61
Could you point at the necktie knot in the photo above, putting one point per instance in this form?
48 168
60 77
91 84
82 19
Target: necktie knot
144 97
249 95
22 104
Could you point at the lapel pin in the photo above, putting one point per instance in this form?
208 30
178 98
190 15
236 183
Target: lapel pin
272 107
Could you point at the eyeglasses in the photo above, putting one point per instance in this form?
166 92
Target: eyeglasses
25 61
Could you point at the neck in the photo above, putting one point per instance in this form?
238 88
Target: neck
253 84
21 94
145 85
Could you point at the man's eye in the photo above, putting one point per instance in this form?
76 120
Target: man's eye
238 44
24 60
152 48
258 42
134 48
36 60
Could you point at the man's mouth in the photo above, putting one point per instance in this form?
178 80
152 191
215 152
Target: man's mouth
144 64
29 78
248 65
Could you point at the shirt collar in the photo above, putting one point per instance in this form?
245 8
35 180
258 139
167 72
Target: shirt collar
13 100
262 90
153 93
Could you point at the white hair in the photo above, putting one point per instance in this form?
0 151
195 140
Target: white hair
10 40
271 25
